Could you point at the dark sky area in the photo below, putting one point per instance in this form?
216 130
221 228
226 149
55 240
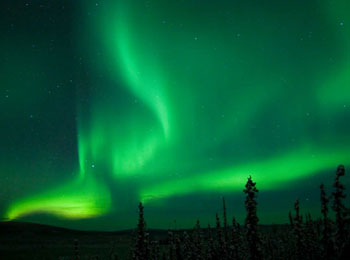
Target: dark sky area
173 103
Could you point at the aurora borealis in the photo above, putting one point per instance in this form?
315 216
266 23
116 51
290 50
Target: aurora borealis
173 103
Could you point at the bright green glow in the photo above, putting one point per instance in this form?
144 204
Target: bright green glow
123 147
74 200
271 174
184 98
82 198
335 92
134 156
145 82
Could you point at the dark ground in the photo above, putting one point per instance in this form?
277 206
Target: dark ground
19 240
35 241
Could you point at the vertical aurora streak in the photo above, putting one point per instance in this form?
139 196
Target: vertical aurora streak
188 98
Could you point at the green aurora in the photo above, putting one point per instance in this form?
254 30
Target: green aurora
173 103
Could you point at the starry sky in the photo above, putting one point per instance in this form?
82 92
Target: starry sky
173 103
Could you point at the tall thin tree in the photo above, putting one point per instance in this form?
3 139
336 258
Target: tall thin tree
326 239
141 250
298 231
251 221
339 208
224 216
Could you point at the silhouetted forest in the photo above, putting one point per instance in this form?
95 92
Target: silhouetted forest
304 238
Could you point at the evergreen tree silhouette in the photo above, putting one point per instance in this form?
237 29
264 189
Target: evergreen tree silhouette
155 250
251 221
339 208
326 239
188 247
210 249
225 220
141 250
235 240
220 250
178 250
171 243
311 239
298 231
291 222
197 241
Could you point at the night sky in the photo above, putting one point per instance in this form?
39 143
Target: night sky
173 103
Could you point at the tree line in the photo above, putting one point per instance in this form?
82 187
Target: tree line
304 238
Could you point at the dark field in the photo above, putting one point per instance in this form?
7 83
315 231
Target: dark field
35 241
20 240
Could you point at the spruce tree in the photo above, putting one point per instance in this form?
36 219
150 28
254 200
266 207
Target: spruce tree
298 231
141 250
225 219
339 208
155 250
210 249
188 247
311 241
178 250
326 239
291 222
197 241
235 240
171 245
220 250
251 221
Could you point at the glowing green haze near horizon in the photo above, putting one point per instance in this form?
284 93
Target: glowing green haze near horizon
185 99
